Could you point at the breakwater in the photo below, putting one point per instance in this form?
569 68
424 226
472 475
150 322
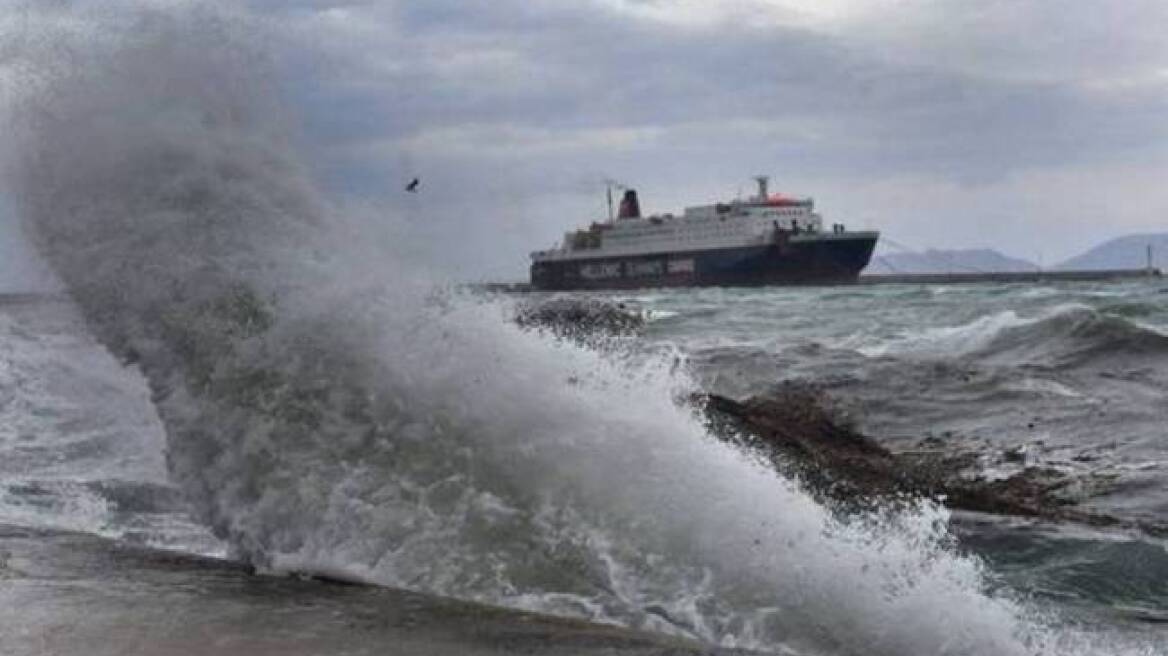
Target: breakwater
962 278
967 277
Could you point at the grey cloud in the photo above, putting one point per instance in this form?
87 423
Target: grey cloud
570 67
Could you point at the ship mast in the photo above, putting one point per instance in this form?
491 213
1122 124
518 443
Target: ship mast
763 181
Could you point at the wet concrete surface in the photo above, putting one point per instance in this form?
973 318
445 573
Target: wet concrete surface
66 594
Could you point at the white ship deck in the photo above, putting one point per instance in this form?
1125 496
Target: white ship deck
761 220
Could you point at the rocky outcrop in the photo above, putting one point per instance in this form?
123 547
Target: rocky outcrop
796 428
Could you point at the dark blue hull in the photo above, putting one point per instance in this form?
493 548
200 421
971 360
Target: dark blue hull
828 259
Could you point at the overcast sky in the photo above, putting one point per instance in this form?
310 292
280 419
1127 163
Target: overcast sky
1039 128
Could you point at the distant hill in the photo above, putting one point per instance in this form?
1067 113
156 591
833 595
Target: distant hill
955 261
1128 252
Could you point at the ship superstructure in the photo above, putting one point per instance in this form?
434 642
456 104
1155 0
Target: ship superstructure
766 239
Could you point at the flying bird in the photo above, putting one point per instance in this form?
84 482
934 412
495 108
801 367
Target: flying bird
412 187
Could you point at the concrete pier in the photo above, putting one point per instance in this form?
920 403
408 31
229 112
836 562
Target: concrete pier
71 594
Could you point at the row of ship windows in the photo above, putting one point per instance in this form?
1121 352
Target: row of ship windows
767 213
631 235
688 237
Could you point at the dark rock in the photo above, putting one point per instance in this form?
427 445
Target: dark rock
588 320
796 429
1015 454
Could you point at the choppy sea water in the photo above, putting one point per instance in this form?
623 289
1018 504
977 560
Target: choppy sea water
81 447
1073 373
1070 376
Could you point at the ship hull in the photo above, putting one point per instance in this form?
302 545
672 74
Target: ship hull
823 260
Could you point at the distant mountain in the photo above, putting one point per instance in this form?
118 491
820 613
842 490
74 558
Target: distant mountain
955 261
1130 252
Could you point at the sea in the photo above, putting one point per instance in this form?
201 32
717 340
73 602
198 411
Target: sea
645 521
242 369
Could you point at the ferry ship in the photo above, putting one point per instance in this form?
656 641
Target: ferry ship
768 239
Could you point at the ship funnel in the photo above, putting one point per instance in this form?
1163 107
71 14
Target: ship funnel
762 186
630 208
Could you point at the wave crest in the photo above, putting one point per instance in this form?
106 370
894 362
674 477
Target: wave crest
1064 336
